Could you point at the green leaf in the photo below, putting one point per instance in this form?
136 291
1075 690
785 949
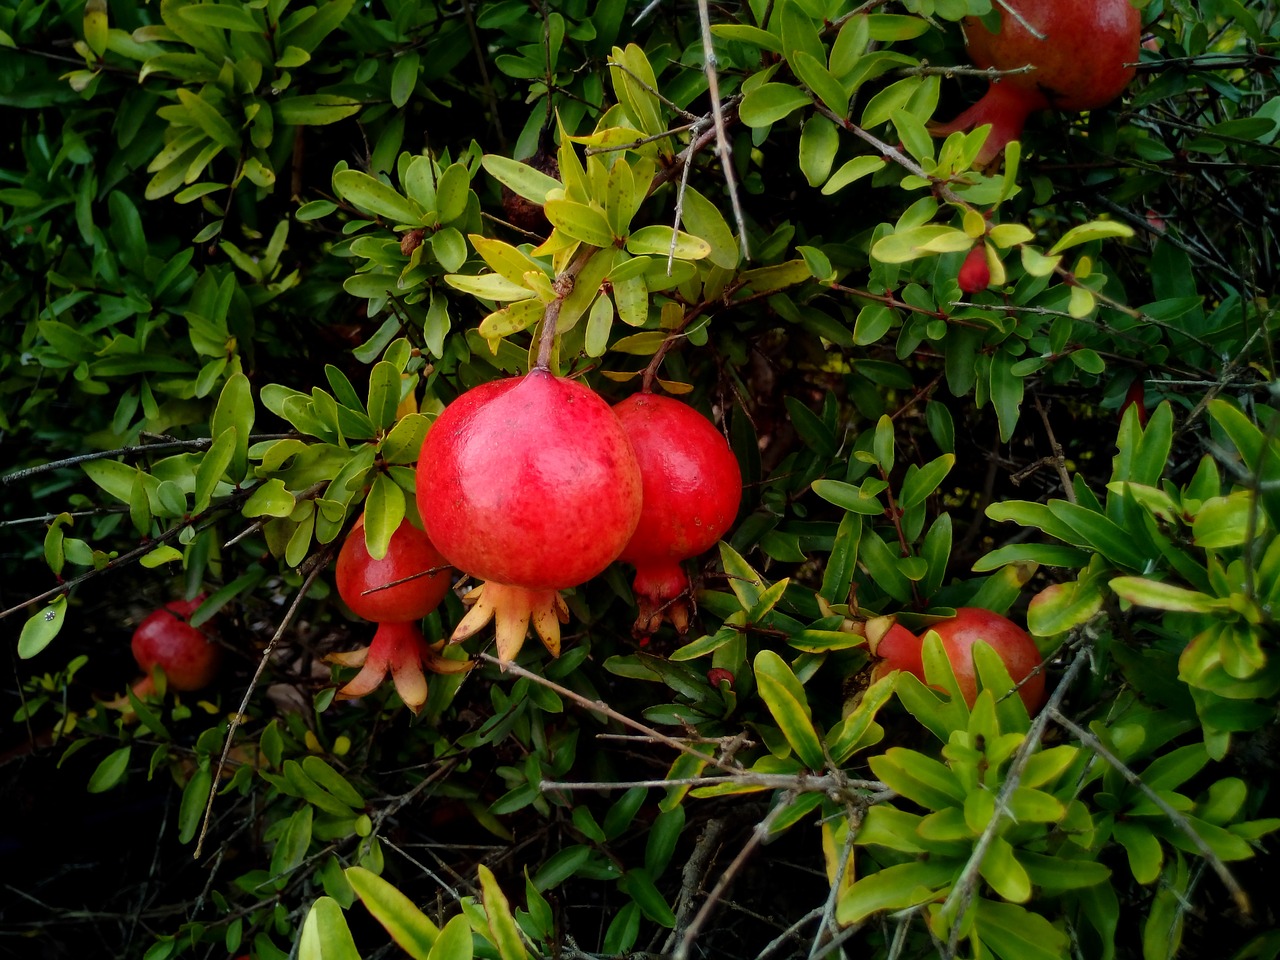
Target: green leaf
383 514
235 409
110 771
452 191
207 117
852 170
384 394
222 16
506 936
404 77
639 886
656 239
920 483
291 846
195 798
371 194
41 628
1015 933
522 179
325 934
408 926
1001 869
1085 232
213 464
1165 596
815 75
270 499
455 941
784 695
919 778
895 888
703 219
1099 532
770 102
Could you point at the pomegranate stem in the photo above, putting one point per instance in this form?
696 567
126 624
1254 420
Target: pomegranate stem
563 286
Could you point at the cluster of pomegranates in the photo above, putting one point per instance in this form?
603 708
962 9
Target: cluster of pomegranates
533 485
897 648
1080 54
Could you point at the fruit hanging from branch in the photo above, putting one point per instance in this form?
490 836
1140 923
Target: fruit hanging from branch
166 639
394 592
1082 59
975 274
692 488
530 485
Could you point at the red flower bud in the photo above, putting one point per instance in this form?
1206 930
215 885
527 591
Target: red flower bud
974 273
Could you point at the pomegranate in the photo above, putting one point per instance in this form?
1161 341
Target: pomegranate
1079 64
398 646
166 639
692 488
529 484
899 649
974 274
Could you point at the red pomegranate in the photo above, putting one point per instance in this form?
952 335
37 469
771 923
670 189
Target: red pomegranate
975 274
1079 64
166 639
901 650
692 488
529 484
398 646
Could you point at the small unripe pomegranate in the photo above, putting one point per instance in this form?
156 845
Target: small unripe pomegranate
692 488
529 484
975 274
1079 64
165 638
395 593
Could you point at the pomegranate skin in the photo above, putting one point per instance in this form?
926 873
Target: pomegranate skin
190 660
898 649
409 552
692 489
1079 64
1016 648
529 482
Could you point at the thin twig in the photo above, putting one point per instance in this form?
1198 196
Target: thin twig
168 446
722 139
599 706
758 837
318 563
1059 457
691 879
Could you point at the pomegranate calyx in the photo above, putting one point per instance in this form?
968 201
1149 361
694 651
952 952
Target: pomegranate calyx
400 649
511 608
662 594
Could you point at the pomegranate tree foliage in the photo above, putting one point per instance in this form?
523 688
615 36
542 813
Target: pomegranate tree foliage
251 249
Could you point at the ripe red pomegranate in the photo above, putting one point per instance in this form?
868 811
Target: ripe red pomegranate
975 274
692 488
901 650
166 639
1079 64
529 484
398 646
